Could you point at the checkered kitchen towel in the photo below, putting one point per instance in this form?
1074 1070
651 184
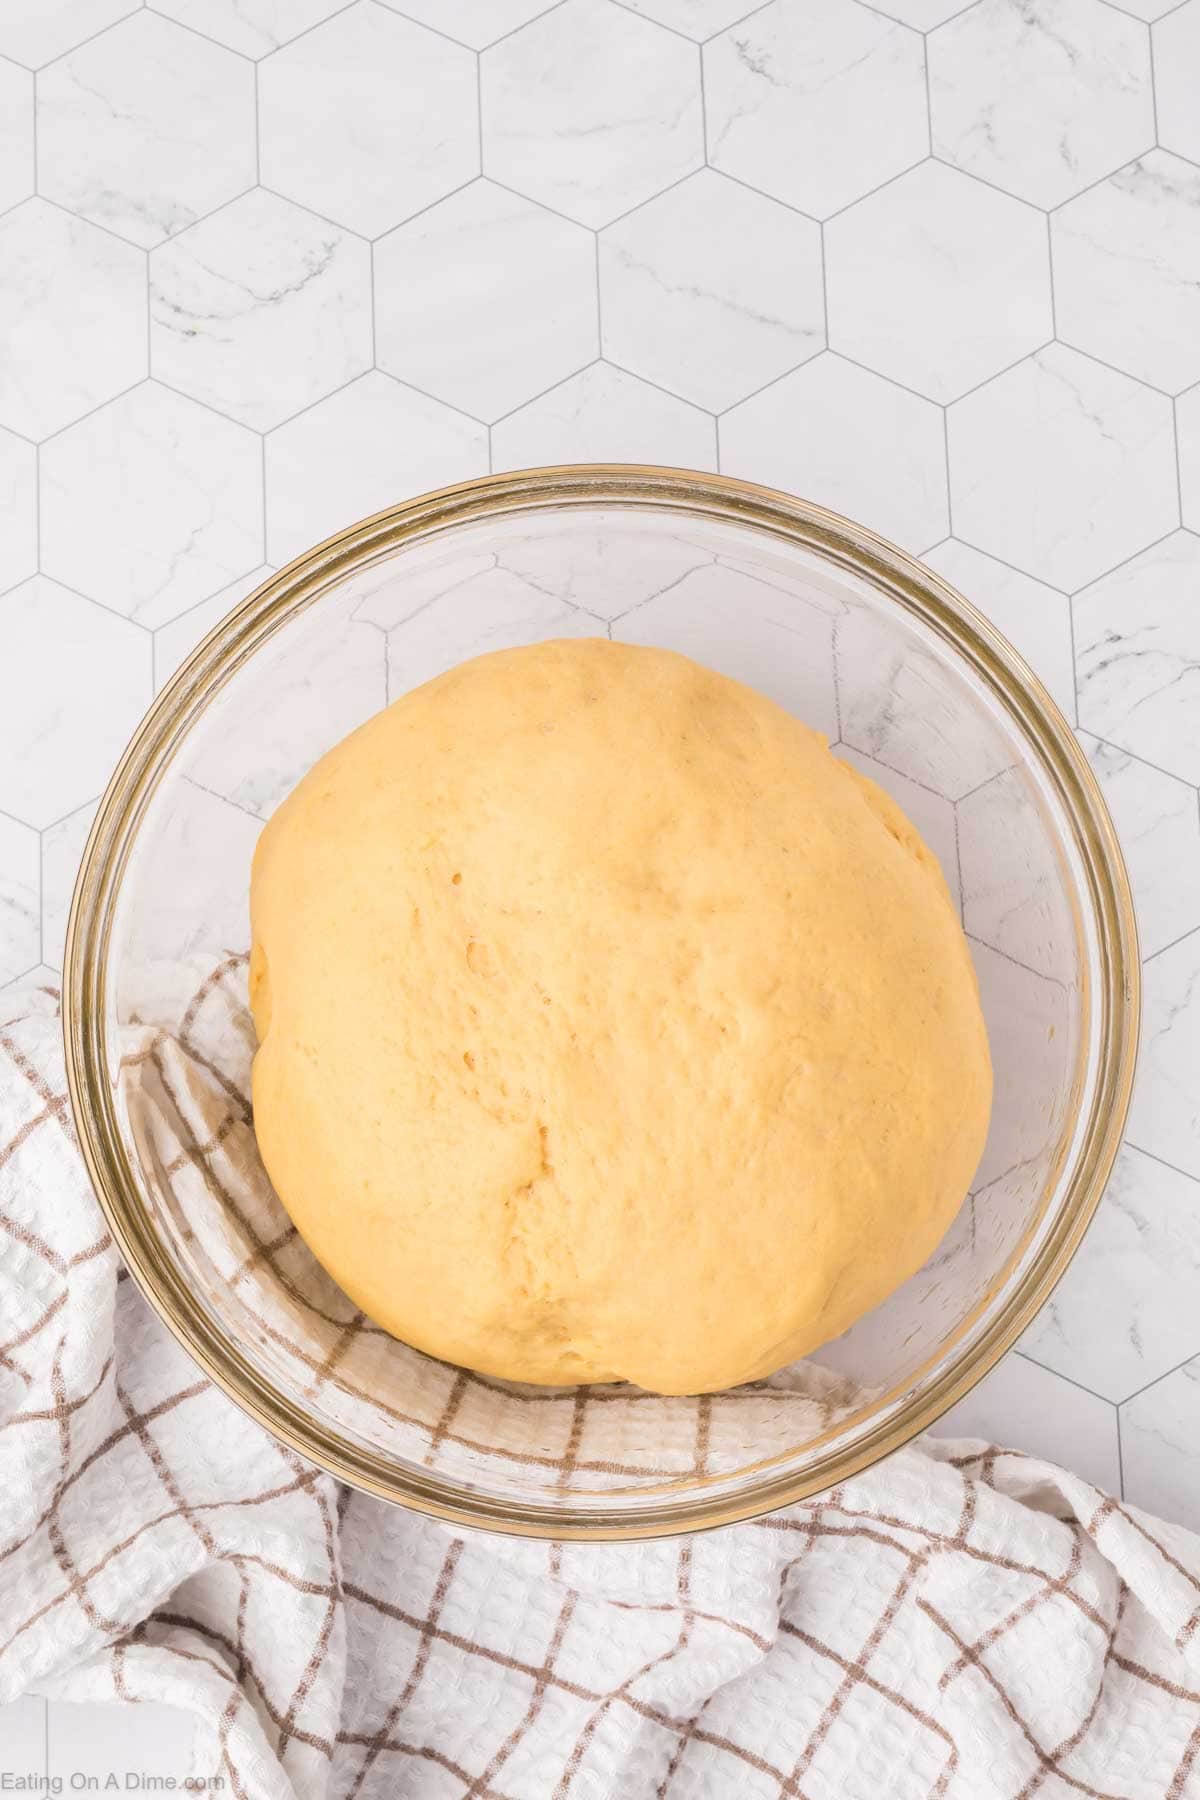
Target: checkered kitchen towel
962 1622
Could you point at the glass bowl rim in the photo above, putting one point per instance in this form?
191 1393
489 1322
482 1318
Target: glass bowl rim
1039 724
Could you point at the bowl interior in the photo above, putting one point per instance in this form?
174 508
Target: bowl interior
846 650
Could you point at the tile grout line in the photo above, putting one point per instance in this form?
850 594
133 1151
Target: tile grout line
1120 1456
60 55
649 19
1049 1369
371 291
423 25
195 31
1173 945
1050 278
1132 756
41 896
1157 1379
740 181
745 18
1074 658
537 18
1127 1143
262 439
257 131
823 252
703 106
599 300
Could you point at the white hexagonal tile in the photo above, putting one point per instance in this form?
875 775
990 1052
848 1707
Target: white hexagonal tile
333 669
1187 430
368 446
1137 647
368 118
938 281
74 680
18 509
1127 270
1021 1407
151 503
1011 891
1165 1116
72 318
1125 1312
1062 466
486 300
1034 618
176 640
749 631
1160 1447
260 310
168 121
1041 100
591 110
474 22
32 31
16 134
252 27
62 848
833 432
494 610
816 104
697 19
20 926
1177 79
1158 823
932 816
605 415
684 305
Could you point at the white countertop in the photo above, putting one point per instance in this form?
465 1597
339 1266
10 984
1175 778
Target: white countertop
935 265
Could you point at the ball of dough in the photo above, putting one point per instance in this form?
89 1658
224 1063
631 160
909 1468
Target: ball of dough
609 1028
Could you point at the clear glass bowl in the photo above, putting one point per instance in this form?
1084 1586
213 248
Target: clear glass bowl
907 680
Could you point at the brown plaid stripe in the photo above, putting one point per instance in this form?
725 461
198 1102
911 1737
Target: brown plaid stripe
1049 1759
383 1739
1184 1768
79 1579
333 1602
177 1622
1077 1736
332 1361
482 1782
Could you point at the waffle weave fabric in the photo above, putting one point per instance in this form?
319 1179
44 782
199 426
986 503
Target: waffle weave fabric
961 1621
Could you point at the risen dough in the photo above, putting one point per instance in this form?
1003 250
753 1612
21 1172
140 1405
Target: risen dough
609 1027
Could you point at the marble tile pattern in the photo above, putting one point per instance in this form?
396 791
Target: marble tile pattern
269 265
